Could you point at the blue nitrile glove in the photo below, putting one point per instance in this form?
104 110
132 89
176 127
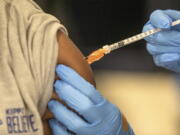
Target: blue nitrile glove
165 45
98 116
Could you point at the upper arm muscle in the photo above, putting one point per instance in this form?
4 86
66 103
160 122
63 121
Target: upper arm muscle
71 56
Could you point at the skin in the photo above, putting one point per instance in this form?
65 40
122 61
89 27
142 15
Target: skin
71 56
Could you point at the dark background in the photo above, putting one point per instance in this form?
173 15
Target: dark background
93 23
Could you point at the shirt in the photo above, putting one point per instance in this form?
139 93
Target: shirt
28 56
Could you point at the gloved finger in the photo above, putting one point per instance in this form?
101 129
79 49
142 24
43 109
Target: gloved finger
99 112
70 76
74 98
156 49
168 60
166 37
81 103
68 118
160 20
57 128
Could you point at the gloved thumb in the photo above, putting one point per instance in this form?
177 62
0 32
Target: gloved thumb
160 19
173 14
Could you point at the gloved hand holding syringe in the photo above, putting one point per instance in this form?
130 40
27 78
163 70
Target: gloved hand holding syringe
100 53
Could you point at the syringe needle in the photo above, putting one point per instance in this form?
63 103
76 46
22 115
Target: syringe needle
100 53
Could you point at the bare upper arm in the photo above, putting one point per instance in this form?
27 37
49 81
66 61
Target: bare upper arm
71 56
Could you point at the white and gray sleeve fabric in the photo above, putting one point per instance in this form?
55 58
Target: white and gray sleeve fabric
28 56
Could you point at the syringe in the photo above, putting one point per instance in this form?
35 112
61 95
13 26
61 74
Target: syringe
100 53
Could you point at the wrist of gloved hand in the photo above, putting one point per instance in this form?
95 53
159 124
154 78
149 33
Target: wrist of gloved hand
165 45
95 115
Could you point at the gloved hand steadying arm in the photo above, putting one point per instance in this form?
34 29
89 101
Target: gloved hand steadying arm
98 116
165 45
